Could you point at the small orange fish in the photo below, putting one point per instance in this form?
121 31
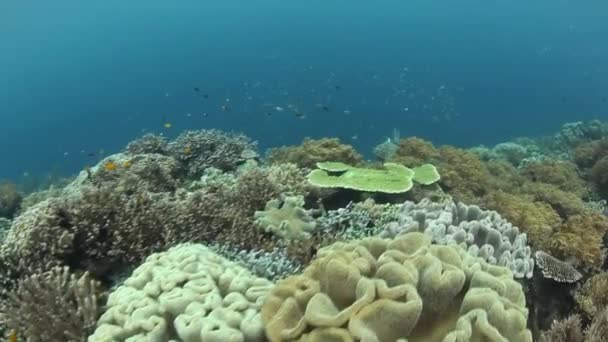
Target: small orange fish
187 150
127 164
110 166
12 337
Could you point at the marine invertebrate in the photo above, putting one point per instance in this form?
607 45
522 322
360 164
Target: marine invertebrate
286 218
511 152
187 293
599 176
482 233
313 151
54 306
556 269
272 265
10 199
463 174
385 290
393 178
148 143
559 173
5 224
538 220
142 172
198 150
567 330
414 151
592 297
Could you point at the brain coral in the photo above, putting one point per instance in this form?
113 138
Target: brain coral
405 289
189 294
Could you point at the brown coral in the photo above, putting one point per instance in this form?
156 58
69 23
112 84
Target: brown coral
559 173
414 151
592 297
10 199
313 151
463 174
599 175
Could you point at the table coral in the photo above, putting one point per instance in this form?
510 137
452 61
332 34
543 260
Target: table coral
406 288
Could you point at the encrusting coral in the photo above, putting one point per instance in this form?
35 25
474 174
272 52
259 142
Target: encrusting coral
187 293
54 306
313 151
401 289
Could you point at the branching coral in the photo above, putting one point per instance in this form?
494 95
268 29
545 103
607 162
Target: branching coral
592 297
198 150
148 143
10 199
53 306
313 151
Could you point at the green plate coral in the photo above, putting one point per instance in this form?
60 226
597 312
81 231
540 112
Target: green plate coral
393 178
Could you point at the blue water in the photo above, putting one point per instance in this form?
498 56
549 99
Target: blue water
80 76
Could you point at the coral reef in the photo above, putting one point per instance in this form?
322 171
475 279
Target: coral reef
53 306
385 290
570 330
556 269
198 150
187 293
463 174
482 233
592 297
562 174
393 178
147 144
414 151
286 218
10 199
313 151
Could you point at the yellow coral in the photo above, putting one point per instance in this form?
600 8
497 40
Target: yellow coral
386 290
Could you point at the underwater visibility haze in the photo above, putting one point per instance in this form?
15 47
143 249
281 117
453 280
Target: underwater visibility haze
324 170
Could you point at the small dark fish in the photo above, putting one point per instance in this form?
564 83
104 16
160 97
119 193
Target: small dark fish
205 96
196 89
337 87
268 114
300 115
91 154
325 108
225 108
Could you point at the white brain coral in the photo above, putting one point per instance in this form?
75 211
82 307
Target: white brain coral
187 293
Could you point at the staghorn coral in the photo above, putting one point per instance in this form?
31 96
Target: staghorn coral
387 290
147 144
556 269
10 199
592 297
482 233
54 306
313 151
198 150
187 293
